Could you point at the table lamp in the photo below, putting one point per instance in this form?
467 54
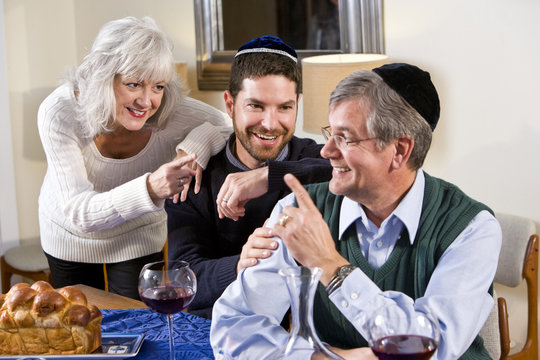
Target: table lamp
321 74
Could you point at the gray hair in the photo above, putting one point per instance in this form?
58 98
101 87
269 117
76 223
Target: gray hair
128 47
389 115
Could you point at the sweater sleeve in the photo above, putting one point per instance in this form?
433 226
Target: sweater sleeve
205 140
305 163
208 127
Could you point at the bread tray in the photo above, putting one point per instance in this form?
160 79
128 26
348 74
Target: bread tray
113 346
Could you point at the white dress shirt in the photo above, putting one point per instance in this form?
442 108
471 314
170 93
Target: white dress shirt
247 316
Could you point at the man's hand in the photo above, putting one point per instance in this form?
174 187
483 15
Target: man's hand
257 247
182 196
170 178
306 234
238 189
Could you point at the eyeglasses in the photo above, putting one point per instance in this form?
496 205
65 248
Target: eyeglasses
339 140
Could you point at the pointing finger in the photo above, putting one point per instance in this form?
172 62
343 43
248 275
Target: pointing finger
198 179
183 160
302 197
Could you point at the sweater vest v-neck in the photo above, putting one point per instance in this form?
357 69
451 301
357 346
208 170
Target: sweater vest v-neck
446 212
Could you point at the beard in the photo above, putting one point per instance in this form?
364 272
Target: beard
260 152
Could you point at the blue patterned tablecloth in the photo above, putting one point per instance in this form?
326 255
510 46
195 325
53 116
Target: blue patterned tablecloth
191 333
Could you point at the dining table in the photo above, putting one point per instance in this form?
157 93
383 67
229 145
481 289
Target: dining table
146 331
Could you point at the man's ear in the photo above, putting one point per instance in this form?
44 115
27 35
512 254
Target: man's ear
403 149
229 102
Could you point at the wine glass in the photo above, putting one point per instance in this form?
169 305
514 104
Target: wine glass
395 333
167 288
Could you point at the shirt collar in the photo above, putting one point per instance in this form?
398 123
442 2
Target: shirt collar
408 210
229 152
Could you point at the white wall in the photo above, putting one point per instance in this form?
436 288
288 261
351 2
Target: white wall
9 229
37 54
483 56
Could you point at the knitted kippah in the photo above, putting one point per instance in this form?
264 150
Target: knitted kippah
271 44
415 86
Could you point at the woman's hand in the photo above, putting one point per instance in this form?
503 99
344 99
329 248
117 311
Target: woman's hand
182 196
258 246
170 178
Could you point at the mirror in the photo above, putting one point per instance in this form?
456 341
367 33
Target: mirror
312 27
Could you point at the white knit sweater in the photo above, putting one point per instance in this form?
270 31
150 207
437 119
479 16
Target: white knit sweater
96 209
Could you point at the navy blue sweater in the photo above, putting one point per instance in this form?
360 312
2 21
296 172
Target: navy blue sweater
211 245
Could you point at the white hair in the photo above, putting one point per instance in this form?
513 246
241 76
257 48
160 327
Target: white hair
129 47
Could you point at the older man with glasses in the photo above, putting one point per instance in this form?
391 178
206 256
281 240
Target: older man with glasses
382 230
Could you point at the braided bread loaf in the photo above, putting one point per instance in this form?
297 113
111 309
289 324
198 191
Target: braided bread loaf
40 320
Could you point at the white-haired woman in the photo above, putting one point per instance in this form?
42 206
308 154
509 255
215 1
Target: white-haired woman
110 133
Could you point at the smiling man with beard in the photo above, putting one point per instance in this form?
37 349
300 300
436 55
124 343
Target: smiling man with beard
210 228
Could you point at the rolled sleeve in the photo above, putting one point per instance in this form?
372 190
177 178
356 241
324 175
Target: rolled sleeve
205 140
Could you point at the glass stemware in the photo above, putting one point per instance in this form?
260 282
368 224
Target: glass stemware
302 283
398 334
167 288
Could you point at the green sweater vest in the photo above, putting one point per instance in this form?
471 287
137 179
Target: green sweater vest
446 211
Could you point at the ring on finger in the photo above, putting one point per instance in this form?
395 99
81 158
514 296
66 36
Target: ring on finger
224 200
181 182
283 220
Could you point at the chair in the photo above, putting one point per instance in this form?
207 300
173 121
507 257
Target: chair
518 261
28 261
490 332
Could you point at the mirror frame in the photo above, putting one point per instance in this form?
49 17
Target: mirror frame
361 31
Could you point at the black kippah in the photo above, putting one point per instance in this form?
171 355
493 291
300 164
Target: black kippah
271 44
415 86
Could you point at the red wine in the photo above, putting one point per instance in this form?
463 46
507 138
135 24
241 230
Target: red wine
408 347
168 299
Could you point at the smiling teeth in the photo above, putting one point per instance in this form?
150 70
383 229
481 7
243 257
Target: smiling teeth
136 112
267 137
342 169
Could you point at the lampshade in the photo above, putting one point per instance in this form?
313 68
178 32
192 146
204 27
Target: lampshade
321 74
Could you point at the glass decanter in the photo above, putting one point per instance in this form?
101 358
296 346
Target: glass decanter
302 283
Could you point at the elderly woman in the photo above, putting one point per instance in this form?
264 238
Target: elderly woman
110 133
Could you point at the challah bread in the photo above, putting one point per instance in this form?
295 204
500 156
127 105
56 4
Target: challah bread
40 320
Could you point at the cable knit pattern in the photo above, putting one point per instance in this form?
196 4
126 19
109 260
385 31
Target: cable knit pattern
97 209
204 141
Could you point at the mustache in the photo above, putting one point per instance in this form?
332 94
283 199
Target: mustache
266 132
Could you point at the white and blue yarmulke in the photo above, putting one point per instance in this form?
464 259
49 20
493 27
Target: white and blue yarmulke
270 44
